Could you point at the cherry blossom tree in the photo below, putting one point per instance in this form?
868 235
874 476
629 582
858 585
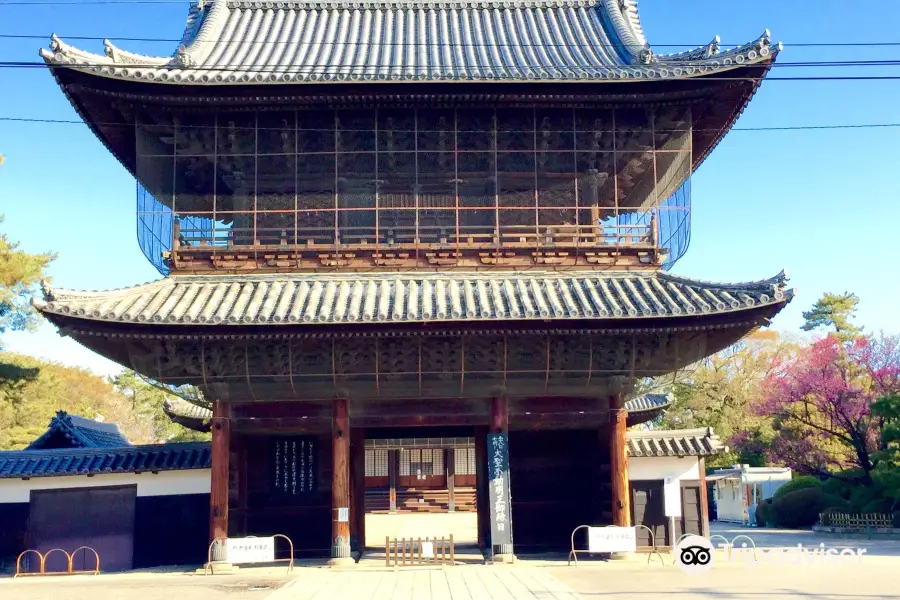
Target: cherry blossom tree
821 400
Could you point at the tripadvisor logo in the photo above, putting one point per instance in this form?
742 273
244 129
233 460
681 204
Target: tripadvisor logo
695 555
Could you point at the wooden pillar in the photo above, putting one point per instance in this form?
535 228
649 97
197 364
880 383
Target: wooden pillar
237 492
618 462
393 470
450 465
358 488
340 482
218 490
500 424
482 508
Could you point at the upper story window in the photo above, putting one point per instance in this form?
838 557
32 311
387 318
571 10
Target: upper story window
466 180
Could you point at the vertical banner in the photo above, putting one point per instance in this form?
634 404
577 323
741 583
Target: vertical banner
672 497
498 489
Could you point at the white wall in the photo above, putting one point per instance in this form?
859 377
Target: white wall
730 501
660 467
164 483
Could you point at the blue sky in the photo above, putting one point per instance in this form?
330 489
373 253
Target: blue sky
822 204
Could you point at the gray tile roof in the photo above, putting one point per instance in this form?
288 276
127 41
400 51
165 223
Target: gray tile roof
95 461
79 432
649 402
412 298
306 41
674 442
187 414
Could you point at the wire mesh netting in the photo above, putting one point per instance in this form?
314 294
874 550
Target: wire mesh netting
442 176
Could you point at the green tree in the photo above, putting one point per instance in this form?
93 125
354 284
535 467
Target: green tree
20 275
720 392
836 311
32 390
147 397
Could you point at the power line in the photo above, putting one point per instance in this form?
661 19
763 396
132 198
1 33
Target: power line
768 128
880 44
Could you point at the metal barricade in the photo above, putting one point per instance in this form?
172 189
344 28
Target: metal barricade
419 552
573 553
70 568
208 567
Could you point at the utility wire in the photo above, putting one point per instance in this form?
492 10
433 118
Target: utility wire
773 128
723 46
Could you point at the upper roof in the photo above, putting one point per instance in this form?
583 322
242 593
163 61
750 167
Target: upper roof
413 298
70 431
675 442
244 42
95 461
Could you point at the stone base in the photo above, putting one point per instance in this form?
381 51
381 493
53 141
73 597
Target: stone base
218 568
346 561
504 559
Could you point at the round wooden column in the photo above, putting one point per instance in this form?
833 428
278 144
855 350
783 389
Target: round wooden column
340 483
618 461
218 484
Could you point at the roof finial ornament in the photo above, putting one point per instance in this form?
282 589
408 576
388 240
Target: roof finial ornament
55 42
647 56
713 47
47 290
183 57
765 40
110 50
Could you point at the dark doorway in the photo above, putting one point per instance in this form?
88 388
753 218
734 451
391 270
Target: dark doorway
648 509
691 520
101 518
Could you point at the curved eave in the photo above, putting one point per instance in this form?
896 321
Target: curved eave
758 53
412 299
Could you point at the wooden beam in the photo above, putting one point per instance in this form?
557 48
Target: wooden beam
358 487
340 482
218 491
450 462
499 415
481 483
704 501
393 470
618 462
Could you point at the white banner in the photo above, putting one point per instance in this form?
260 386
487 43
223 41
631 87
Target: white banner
612 539
672 497
250 550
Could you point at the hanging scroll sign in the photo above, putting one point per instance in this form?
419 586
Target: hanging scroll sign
498 489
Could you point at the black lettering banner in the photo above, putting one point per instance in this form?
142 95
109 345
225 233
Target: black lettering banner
498 489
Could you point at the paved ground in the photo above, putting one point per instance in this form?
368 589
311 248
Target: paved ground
873 577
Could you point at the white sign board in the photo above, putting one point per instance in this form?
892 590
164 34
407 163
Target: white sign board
672 497
250 550
343 515
427 549
612 539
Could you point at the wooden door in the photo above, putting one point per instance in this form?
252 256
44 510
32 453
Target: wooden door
648 509
691 520
100 517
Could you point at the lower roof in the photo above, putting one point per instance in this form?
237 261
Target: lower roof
97 461
674 442
79 432
345 298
